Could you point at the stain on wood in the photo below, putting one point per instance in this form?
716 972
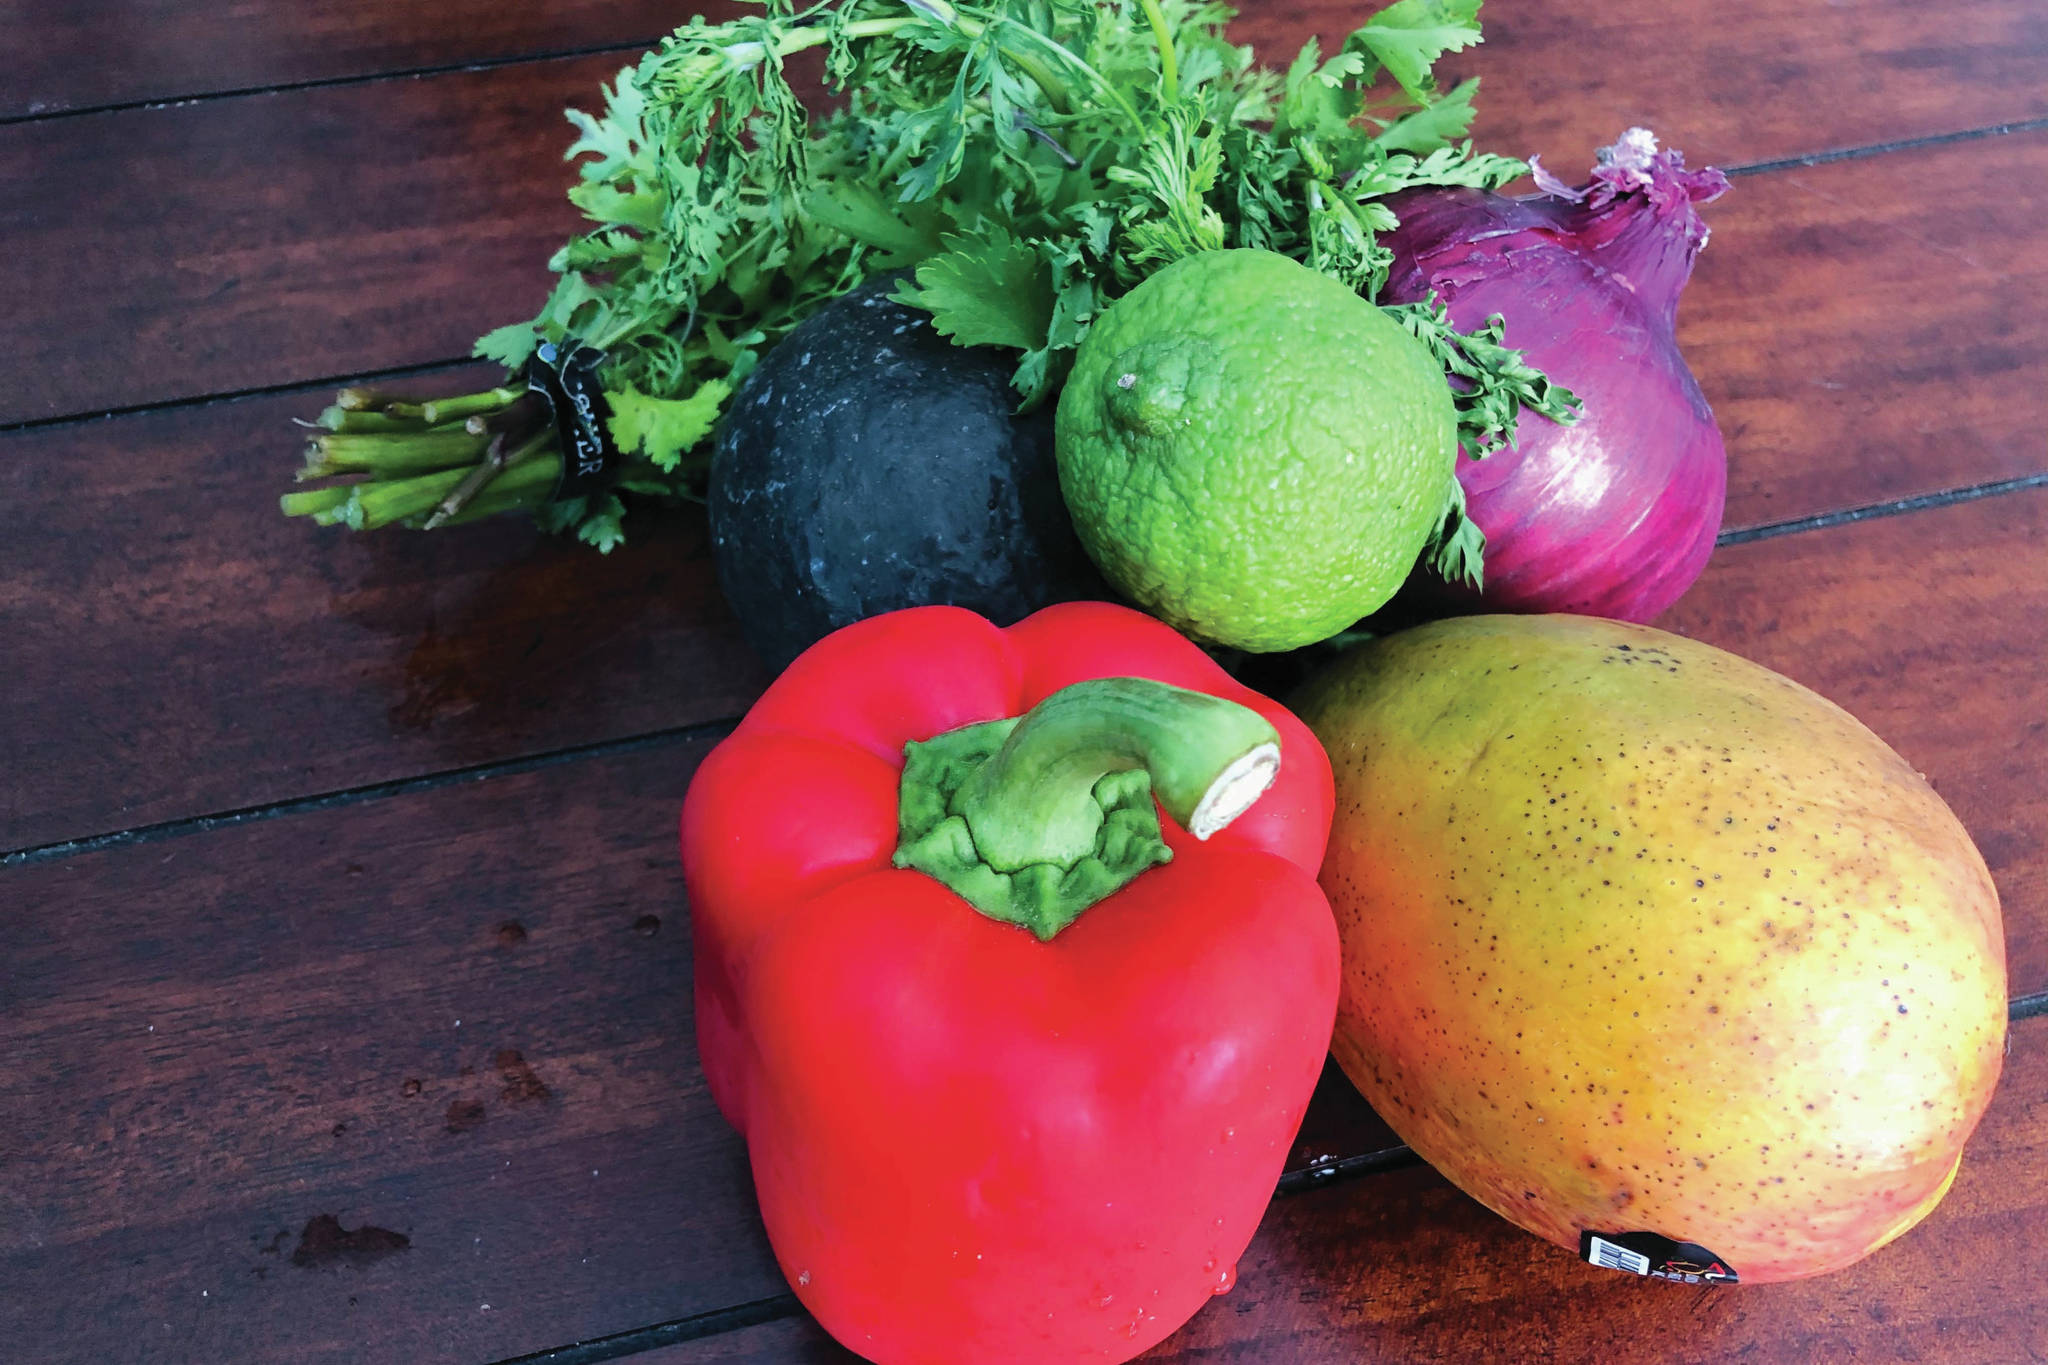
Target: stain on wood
325 1244
175 647
185 1022
413 1077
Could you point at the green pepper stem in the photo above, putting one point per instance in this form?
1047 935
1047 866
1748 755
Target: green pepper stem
1033 820
1209 759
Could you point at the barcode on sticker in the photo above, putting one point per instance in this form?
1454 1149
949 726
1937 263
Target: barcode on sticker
1602 1252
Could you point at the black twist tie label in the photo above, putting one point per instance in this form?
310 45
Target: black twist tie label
1655 1256
565 377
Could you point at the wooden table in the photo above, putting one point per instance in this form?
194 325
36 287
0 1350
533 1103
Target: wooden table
343 996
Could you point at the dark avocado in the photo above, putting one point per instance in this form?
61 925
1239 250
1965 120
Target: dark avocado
869 464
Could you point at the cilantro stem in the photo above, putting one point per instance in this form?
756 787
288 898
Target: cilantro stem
752 53
338 418
372 505
1327 196
313 501
1060 53
469 405
1169 71
381 452
437 411
480 479
379 504
521 487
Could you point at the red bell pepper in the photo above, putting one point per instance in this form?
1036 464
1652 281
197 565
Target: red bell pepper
1034 1141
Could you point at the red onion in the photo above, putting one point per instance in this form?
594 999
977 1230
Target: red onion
1616 515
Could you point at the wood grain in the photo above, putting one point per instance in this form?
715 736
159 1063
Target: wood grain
159 254
125 537
1728 84
1402 1267
86 53
459 1019
235 264
1864 330
1783 78
176 647
213 1036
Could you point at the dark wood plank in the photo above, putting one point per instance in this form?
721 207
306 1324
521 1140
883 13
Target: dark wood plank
1822 410
1728 84
1865 330
87 53
302 970
1779 79
217 247
794 1340
412 261
176 647
1403 1267
460 1018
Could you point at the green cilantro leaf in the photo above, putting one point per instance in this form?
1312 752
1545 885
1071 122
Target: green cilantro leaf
1320 98
663 429
1434 126
1457 547
601 526
904 233
991 290
609 205
610 139
511 345
1408 36
1493 385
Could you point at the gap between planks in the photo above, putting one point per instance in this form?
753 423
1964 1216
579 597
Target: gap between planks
660 1334
427 366
373 791
777 1307
377 791
327 82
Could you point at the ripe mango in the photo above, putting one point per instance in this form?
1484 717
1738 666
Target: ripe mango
1640 936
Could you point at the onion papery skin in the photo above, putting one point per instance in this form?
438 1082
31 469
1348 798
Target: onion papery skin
1616 514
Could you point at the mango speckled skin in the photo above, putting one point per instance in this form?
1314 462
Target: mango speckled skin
1639 935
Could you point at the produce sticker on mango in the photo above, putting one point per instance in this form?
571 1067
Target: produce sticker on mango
1023 919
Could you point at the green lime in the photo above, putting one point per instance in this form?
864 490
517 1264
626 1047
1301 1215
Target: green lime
1253 452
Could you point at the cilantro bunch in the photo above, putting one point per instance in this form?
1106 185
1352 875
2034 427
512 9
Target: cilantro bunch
1027 161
